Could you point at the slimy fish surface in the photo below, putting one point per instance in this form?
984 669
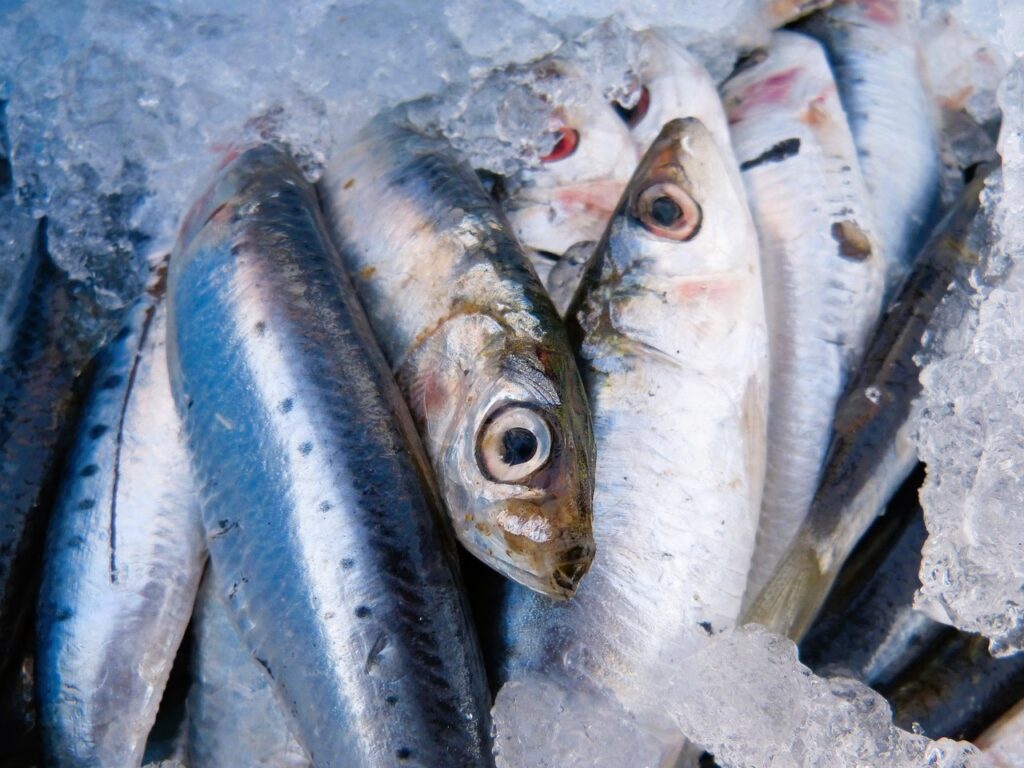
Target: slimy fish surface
39 365
673 346
124 554
823 272
876 61
322 523
235 718
478 349
871 452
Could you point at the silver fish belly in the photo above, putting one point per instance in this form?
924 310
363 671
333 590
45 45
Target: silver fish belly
235 719
321 519
123 560
478 349
877 67
823 271
673 346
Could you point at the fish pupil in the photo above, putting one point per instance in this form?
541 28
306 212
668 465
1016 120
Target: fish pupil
518 445
665 211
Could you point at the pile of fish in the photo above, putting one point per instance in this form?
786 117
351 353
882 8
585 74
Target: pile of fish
371 455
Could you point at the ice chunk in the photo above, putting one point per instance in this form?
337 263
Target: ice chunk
743 696
972 416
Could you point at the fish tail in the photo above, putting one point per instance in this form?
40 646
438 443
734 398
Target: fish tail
789 602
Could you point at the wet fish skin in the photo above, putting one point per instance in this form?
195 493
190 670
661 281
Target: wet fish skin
321 518
124 554
235 719
672 342
477 348
868 628
876 61
42 373
823 269
871 452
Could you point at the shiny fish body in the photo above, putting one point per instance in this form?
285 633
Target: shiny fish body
38 399
823 272
478 349
876 62
673 346
868 628
871 452
569 200
124 554
321 520
235 719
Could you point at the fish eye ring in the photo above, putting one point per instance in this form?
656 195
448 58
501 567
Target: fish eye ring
666 210
515 442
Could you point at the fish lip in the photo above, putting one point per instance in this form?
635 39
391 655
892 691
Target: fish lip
560 583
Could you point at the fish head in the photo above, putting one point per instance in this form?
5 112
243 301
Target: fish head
515 455
568 197
681 214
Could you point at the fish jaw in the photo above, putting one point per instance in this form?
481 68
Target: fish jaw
537 531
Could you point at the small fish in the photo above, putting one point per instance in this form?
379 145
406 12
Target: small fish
868 629
570 196
124 554
672 341
322 523
822 268
39 392
478 350
779 13
875 57
235 719
957 690
871 452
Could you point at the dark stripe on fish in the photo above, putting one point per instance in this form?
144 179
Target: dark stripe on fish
778 153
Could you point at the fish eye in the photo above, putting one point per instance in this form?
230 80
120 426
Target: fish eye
637 112
514 443
568 140
666 210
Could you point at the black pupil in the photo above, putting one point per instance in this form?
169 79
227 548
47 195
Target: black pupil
665 211
518 446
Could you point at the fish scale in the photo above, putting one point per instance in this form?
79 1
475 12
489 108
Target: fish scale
322 521
673 346
810 204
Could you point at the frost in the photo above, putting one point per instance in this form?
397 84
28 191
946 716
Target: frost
972 416
742 695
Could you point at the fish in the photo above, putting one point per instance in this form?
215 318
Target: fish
868 628
43 370
322 521
670 330
570 195
871 451
823 270
235 719
479 351
957 690
124 553
1003 741
877 64
778 13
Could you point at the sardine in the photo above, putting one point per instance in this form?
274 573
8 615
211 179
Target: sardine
321 519
235 719
823 272
868 629
477 348
38 399
876 61
957 690
673 346
570 196
871 452
778 13
124 554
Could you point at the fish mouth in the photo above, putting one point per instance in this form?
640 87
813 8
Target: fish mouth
568 576
559 582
